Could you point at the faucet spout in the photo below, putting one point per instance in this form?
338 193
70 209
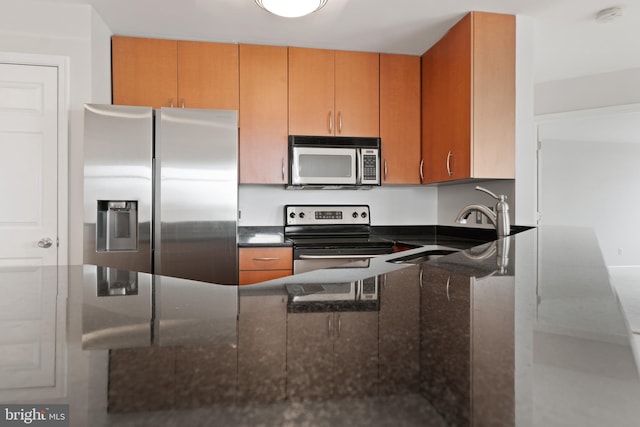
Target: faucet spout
499 219
464 213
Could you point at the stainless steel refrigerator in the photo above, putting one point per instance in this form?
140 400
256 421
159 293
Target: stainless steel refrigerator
161 191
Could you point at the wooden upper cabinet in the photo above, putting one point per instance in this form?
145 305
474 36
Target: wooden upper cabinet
333 92
311 86
400 118
357 96
208 75
263 114
144 71
171 73
468 100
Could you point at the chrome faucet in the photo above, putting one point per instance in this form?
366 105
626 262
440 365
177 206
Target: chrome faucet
499 218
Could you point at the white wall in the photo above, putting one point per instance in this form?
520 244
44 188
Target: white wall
590 154
452 198
390 205
77 33
589 176
588 92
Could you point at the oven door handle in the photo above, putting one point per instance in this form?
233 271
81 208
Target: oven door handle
336 256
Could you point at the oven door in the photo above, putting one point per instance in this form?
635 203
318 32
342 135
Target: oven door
309 259
323 166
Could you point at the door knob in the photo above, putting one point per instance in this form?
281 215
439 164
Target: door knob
45 243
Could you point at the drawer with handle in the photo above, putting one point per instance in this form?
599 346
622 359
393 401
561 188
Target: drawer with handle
264 263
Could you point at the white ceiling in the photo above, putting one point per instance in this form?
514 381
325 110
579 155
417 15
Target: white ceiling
568 41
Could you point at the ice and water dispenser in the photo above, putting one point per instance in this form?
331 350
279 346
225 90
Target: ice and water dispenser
117 226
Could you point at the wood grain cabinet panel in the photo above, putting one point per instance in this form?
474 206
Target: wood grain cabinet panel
357 94
144 71
311 91
208 75
263 114
264 263
400 118
333 93
468 101
171 73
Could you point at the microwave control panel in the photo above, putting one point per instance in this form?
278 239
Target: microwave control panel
370 173
326 214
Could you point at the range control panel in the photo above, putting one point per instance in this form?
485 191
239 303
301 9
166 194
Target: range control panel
327 214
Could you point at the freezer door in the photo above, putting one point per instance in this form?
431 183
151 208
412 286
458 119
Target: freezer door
196 205
118 173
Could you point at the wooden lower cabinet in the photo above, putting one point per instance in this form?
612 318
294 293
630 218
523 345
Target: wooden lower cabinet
162 378
332 355
399 337
262 340
259 264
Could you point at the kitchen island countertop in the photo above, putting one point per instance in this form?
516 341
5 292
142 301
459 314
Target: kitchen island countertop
525 330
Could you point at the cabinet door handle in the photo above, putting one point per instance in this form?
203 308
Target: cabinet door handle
385 170
266 259
330 122
339 325
340 122
182 103
421 276
449 155
421 173
329 325
171 103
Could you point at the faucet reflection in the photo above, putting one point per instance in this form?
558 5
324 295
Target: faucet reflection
499 219
500 248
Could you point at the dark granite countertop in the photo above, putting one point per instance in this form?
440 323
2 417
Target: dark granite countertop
525 331
257 236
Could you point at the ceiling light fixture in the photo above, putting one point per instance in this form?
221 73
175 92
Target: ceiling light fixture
291 8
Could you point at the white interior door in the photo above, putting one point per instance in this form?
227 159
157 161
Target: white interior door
28 165
28 227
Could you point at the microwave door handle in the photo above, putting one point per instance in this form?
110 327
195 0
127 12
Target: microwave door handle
359 167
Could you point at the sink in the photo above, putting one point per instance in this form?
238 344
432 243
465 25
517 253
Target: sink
423 256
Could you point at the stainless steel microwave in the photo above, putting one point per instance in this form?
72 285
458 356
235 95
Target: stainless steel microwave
333 162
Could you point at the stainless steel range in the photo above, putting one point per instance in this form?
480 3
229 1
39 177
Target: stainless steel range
326 236
333 236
